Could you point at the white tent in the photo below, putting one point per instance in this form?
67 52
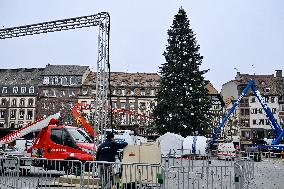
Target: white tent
195 145
170 142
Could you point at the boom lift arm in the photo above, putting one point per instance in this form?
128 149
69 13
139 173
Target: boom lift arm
275 125
35 126
79 118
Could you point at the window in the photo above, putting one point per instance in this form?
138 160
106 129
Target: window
260 110
136 82
113 92
32 89
2 114
114 105
132 105
272 99
12 125
59 136
85 91
261 122
4 90
45 92
132 93
21 114
122 83
94 91
142 105
30 114
273 110
31 102
62 93
122 119
267 90
142 92
64 81
122 105
246 111
242 112
22 102
152 93
3 102
45 80
1 124
23 89
254 121
72 81
254 111
253 99
123 92
15 89
20 124
55 80
14 102
267 122
12 114
266 99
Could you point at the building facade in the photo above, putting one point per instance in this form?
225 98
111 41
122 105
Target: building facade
18 96
30 94
249 116
60 87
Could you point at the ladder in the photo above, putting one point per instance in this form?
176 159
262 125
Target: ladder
35 126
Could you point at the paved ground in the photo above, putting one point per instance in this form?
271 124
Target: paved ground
269 174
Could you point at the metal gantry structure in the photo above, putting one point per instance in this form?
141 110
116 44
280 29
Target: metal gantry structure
102 20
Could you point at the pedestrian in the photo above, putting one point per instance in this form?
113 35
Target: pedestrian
107 152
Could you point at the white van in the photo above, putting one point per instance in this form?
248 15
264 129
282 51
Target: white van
226 151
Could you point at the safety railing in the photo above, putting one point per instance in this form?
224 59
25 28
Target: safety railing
175 171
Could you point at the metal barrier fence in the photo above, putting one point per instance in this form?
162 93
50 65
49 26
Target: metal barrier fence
30 173
172 173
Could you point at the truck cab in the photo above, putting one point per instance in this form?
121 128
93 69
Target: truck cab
64 143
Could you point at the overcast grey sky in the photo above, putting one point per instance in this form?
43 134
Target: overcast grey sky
231 33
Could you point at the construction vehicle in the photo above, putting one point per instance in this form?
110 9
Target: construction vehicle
56 141
279 133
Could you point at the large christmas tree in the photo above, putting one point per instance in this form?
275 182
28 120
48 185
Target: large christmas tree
183 102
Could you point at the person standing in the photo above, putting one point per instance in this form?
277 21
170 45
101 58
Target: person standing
107 152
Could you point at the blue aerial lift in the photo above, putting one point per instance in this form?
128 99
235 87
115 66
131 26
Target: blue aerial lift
279 132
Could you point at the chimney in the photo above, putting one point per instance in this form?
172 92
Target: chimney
238 76
278 73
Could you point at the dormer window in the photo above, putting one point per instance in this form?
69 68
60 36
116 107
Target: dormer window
55 80
15 89
136 82
123 83
46 80
4 90
267 90
32 89
23 89
123 92
85 91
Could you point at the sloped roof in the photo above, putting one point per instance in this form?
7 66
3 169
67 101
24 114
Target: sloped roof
26 76
129 79
64 70
262 82
211 89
